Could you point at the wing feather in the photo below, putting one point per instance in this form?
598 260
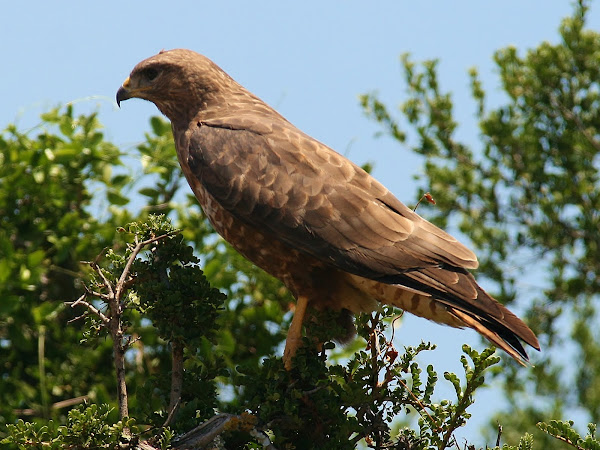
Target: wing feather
330 208
303 193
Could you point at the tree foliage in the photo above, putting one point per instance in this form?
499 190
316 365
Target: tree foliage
528 199
126 322
113 337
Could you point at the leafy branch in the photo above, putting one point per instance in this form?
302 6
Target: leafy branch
113 296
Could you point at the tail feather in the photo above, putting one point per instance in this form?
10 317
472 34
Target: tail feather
496 333
478 310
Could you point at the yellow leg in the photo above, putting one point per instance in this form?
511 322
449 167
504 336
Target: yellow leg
294 336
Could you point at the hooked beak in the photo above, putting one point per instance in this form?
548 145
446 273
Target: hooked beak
123 93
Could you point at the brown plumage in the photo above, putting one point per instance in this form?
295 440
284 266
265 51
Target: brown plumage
334 235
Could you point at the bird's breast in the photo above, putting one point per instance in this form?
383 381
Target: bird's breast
270 254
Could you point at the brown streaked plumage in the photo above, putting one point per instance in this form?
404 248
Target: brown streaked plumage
334 235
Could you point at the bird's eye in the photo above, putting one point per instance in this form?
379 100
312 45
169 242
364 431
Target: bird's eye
150 74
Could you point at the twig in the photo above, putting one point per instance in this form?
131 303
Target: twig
64 271
70 402
421 405
107 284
57 405
461 407
79 317
137 249
499 434
565 440
398 317
314 390
172 411
415 398
375 352
81 301
426 196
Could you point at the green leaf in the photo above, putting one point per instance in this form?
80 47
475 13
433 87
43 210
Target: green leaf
120 180
115 198
149 192
35 258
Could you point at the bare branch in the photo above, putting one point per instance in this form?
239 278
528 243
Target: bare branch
57 405
81 316
106 282
205 433
176 380
70 402
81 301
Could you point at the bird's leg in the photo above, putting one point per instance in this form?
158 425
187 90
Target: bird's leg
294 336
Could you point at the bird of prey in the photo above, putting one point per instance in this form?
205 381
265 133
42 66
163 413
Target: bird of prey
335 236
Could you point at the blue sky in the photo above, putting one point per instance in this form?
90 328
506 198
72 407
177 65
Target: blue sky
309 59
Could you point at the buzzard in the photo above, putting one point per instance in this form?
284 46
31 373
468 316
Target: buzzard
335 236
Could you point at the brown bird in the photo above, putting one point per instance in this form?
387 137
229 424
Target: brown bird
335 236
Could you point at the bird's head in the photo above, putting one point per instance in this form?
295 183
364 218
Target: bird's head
179 82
